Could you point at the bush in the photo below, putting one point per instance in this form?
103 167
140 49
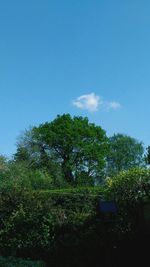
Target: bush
19 176
12 262
130 186
129 189
38 224
66 224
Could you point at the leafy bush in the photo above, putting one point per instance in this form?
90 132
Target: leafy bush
40 223
12 262
130 186
66 224
129 189
19 176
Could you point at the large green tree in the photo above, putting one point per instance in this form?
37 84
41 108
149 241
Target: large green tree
125 153
78 147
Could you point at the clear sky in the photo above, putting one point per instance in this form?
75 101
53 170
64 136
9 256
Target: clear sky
83 57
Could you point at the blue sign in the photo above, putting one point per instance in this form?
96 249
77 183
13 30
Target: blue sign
108 207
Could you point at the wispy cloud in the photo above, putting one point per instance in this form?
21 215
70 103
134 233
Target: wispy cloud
112 105
93 102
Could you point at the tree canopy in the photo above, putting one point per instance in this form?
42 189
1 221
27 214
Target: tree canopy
74 145
125 153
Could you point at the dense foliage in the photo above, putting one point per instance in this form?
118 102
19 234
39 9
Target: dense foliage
73 145
47 223
50 193
147 156
129 189
17 175
12 262
67 223
130 186
125 153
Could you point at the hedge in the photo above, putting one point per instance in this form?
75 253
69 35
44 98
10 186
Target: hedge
13 262
45 224
62 227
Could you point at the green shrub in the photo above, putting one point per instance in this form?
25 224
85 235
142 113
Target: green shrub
32 222
129 189
130 186
19 176
66 224
12 262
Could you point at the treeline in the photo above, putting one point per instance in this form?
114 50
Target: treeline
70 152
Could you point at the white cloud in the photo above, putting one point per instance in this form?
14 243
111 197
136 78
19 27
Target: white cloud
92 102
88 102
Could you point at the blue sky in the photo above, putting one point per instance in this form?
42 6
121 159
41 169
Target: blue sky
83 57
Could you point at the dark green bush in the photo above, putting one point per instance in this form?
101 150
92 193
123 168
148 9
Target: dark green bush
63 224
130 186
12 262
19 176
129 189
38 224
